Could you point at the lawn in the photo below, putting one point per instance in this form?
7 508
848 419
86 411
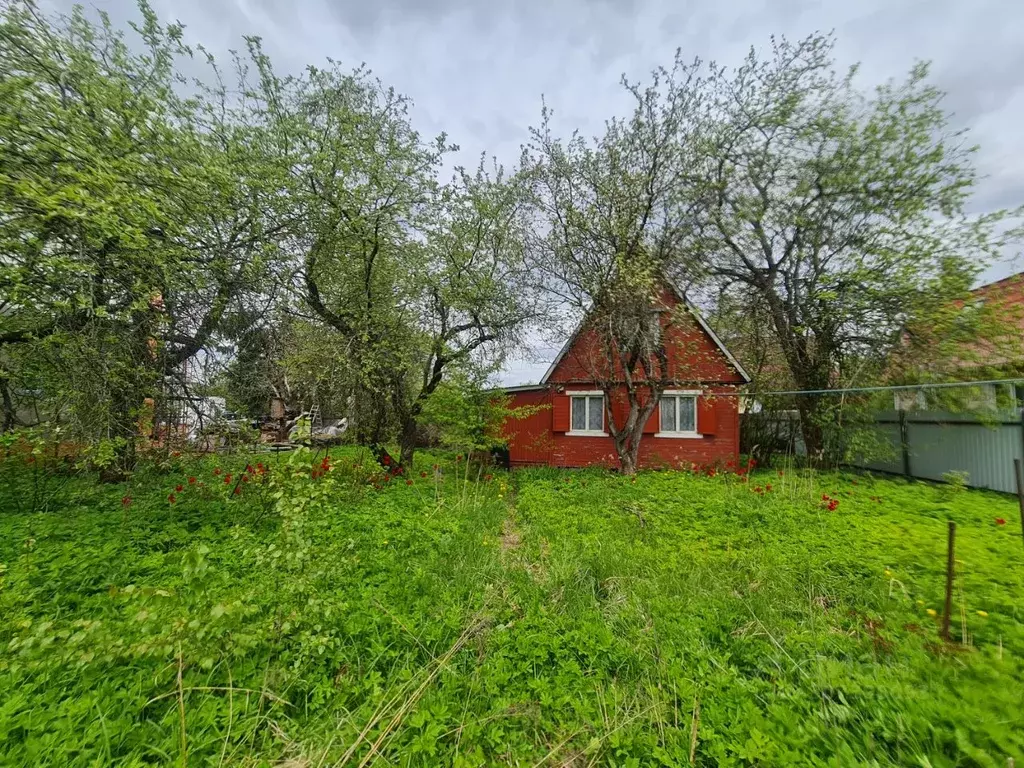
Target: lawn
308 614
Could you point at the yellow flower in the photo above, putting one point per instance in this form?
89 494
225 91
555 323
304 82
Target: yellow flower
983 614
888 572
920 602
931 612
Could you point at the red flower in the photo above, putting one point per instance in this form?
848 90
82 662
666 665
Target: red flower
248 468
781 473
833 504
386 461
488 476
227 479
1000 521
179 488
824 497
423 474
245 478
408 482
170 498
176 454
768 486
387 478
459 457
259 465
237 490
216 470
191 481
126 501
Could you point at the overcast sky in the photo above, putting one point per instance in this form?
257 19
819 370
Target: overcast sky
478 69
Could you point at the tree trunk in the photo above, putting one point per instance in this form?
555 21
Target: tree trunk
407 442
626 438
10 417
628 459
811 427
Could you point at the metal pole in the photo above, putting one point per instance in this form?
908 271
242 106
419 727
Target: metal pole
1019 474
950 565
905 442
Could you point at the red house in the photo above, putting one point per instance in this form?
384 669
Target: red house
697 419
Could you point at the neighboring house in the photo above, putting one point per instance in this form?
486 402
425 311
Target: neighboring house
697 419
999 357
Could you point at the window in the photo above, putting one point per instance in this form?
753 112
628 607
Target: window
678 414
587 414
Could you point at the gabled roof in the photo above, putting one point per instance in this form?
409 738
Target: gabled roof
690 308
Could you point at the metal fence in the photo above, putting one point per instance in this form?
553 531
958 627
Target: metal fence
930 444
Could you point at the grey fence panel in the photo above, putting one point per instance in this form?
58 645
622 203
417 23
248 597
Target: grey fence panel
886 455
984 452
938 442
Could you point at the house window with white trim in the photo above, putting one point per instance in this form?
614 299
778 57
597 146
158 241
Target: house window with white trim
587 414
678 414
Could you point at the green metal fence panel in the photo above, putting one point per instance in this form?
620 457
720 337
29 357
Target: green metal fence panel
939 442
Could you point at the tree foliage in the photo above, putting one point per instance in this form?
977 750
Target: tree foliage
136 212
842 216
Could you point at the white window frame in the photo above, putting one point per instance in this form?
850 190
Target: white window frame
695 394
587 432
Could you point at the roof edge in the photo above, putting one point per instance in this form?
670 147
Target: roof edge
691 308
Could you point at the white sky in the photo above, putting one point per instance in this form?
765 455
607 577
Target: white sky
478 70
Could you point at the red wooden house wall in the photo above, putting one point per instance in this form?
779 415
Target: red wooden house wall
697 360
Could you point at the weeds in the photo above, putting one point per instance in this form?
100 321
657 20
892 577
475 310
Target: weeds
326 616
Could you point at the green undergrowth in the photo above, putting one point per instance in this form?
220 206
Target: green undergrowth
309 614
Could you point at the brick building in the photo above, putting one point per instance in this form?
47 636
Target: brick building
697 419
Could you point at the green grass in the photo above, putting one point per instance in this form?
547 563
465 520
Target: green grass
539 618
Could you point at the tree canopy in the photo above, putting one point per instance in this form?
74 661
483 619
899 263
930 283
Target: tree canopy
287 225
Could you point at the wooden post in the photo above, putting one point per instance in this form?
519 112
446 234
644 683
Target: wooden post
950 565
1019 474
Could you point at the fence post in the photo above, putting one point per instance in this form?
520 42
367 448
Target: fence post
950 565
904 442
1019 475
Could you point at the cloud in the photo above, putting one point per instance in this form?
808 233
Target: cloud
478 70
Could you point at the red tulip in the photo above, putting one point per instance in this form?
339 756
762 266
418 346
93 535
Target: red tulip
191 481
179 488
386 461
408 482
170 498
1000 521
216 470
238 490
126 501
